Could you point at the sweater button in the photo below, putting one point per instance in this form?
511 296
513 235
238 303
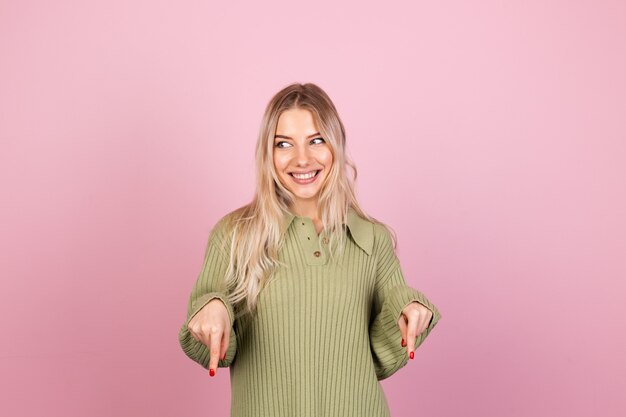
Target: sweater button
325 240
317 253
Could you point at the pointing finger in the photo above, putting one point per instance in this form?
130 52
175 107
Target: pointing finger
412 328
215 333
402 325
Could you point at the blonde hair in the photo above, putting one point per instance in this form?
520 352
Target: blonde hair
254 231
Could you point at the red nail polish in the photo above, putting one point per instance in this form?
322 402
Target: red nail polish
212 372
411 355
402 343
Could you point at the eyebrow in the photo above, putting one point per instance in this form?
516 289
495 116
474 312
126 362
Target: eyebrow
287 137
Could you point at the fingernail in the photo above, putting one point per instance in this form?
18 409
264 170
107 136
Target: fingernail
402 343
411 355
212 372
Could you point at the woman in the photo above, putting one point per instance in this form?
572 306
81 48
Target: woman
301 293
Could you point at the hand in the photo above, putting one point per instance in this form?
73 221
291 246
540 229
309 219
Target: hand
413 321
211 327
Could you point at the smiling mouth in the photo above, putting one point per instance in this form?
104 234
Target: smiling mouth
305 178
305 174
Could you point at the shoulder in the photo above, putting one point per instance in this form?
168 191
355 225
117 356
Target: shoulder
221 234
384 238
225 224
385 249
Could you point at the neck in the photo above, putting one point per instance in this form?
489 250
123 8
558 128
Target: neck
306 209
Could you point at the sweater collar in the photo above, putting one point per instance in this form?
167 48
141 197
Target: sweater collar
361 230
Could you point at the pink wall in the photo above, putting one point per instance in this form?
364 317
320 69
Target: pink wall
489 134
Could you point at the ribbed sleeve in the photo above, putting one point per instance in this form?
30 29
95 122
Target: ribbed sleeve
391 296
209 285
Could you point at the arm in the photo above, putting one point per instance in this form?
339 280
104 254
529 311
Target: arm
391 296
209 285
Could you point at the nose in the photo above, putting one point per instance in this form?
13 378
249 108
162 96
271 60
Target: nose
303 156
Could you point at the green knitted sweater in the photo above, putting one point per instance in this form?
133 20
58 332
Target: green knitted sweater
325 331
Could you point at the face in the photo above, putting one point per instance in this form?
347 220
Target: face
302 157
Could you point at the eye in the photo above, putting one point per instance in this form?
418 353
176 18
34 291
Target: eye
279 142
322 140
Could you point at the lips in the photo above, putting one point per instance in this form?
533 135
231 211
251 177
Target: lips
302 173
307 180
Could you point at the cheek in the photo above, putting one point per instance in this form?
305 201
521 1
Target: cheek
327 158
276 161
279 164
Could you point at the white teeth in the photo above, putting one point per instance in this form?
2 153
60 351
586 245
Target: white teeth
304 176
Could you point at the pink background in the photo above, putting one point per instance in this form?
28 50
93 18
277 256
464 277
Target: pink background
490 135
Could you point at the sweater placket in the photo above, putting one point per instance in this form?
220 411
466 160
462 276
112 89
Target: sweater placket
314 246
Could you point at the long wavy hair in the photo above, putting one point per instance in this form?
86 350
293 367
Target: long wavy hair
254 231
